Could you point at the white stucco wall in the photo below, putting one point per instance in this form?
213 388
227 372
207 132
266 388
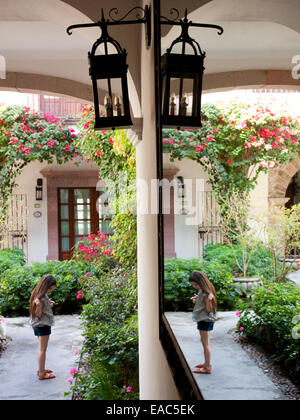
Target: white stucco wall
186 227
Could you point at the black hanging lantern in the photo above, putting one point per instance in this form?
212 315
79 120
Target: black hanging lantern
111 71
39 190
182 76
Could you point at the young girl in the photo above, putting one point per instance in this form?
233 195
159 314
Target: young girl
42 319
204 314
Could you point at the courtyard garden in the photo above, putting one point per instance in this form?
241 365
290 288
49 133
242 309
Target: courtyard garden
100 281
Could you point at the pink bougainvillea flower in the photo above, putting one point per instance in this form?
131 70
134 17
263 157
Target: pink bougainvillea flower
73 371
242 329
229 161
210 138
238 313
272 164
88 274
75 352
69 380
99 153
128 389
51 143
199 148
87 125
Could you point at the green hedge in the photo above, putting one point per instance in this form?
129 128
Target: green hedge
111 338
11 257
17 283
261 263
269 321
219 264
178 290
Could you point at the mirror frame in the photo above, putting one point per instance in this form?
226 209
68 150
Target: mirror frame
185 382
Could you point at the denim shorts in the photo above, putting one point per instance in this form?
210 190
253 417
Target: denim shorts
41 331
205 325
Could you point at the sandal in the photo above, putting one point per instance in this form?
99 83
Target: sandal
203 371
46 376
46 371
200 366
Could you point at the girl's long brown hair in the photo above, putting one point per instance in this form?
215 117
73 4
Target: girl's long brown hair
206 286
39 291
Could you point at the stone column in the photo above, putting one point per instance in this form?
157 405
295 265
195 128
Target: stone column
156 381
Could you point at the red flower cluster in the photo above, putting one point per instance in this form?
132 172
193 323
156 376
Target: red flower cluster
95 246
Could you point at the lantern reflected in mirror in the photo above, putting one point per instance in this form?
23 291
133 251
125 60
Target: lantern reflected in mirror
182 90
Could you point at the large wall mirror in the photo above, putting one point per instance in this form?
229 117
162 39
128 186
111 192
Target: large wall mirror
248 76
188 209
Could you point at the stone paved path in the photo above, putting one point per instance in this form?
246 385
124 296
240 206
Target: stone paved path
235 376
18 364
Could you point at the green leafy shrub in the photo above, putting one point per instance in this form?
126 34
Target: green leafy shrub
178 290
9 257
111 337
17 283
261 263
269 321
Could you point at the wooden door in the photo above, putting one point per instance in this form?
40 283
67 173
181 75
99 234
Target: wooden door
78 218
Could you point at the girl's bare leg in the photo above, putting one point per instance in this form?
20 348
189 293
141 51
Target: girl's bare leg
205 339
43 344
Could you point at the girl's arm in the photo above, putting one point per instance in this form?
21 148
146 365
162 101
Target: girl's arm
39 307
208 304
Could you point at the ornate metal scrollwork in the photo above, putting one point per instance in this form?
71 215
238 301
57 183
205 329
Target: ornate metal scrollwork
116 12
105 23
164 18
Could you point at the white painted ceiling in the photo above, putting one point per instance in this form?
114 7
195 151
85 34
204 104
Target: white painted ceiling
244 46
33 45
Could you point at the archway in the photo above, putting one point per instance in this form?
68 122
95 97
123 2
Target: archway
55 54
279 181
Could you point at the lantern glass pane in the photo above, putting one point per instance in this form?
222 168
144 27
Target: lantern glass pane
186 97
118 103
174 96
181 96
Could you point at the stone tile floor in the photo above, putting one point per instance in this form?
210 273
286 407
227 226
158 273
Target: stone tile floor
18 364
235 376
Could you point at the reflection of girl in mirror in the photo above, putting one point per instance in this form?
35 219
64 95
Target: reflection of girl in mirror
204 314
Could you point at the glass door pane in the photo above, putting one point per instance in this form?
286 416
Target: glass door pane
82 212
82 196
82 227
